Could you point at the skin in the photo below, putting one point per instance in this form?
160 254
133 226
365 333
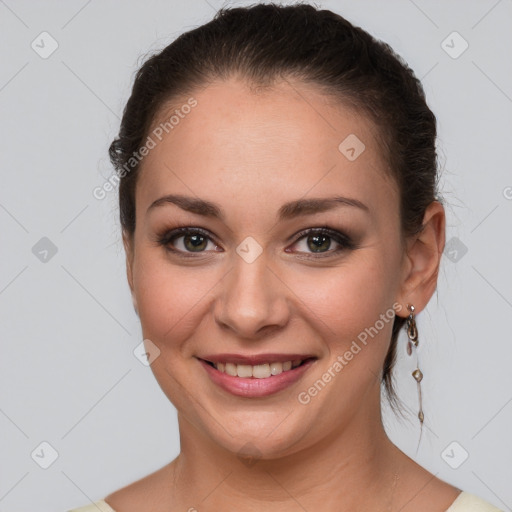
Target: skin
250 152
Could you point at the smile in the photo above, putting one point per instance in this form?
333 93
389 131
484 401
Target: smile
260 371
259 380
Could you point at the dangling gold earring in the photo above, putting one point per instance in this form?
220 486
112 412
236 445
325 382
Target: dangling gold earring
412 333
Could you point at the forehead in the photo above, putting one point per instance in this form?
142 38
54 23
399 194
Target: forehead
245 141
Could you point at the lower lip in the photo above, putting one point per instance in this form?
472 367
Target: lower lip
252 387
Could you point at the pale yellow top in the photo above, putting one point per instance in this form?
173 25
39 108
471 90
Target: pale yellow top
465 502
99 506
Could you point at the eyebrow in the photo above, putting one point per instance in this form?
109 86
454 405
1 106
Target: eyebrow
287 211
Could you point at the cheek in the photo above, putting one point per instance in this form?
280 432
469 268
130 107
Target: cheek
170 299
349 301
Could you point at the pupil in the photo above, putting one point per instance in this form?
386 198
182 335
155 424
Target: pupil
319 242
196 241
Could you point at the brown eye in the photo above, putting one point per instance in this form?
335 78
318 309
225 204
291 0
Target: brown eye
194 243
187 240
320 241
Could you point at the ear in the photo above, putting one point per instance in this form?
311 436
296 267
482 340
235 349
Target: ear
422 259
130 254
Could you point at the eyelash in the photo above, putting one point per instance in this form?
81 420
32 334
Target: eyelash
341 239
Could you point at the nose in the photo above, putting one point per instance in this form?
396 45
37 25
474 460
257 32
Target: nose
253 299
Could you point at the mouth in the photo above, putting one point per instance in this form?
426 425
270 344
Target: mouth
268 374
258 371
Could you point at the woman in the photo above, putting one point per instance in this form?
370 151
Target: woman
281 225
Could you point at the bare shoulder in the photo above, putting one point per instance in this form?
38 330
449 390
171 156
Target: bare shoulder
152 492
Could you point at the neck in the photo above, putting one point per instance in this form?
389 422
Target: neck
353 468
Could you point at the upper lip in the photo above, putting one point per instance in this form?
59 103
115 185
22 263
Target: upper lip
255 359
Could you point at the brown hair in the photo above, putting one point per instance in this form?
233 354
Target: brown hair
266 42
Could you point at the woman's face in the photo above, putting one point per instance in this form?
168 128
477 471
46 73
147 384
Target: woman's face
257 175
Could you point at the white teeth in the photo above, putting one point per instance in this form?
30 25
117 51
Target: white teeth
259 371
276 368
230 369
244 370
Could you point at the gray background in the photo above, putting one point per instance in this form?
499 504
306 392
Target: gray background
68 375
